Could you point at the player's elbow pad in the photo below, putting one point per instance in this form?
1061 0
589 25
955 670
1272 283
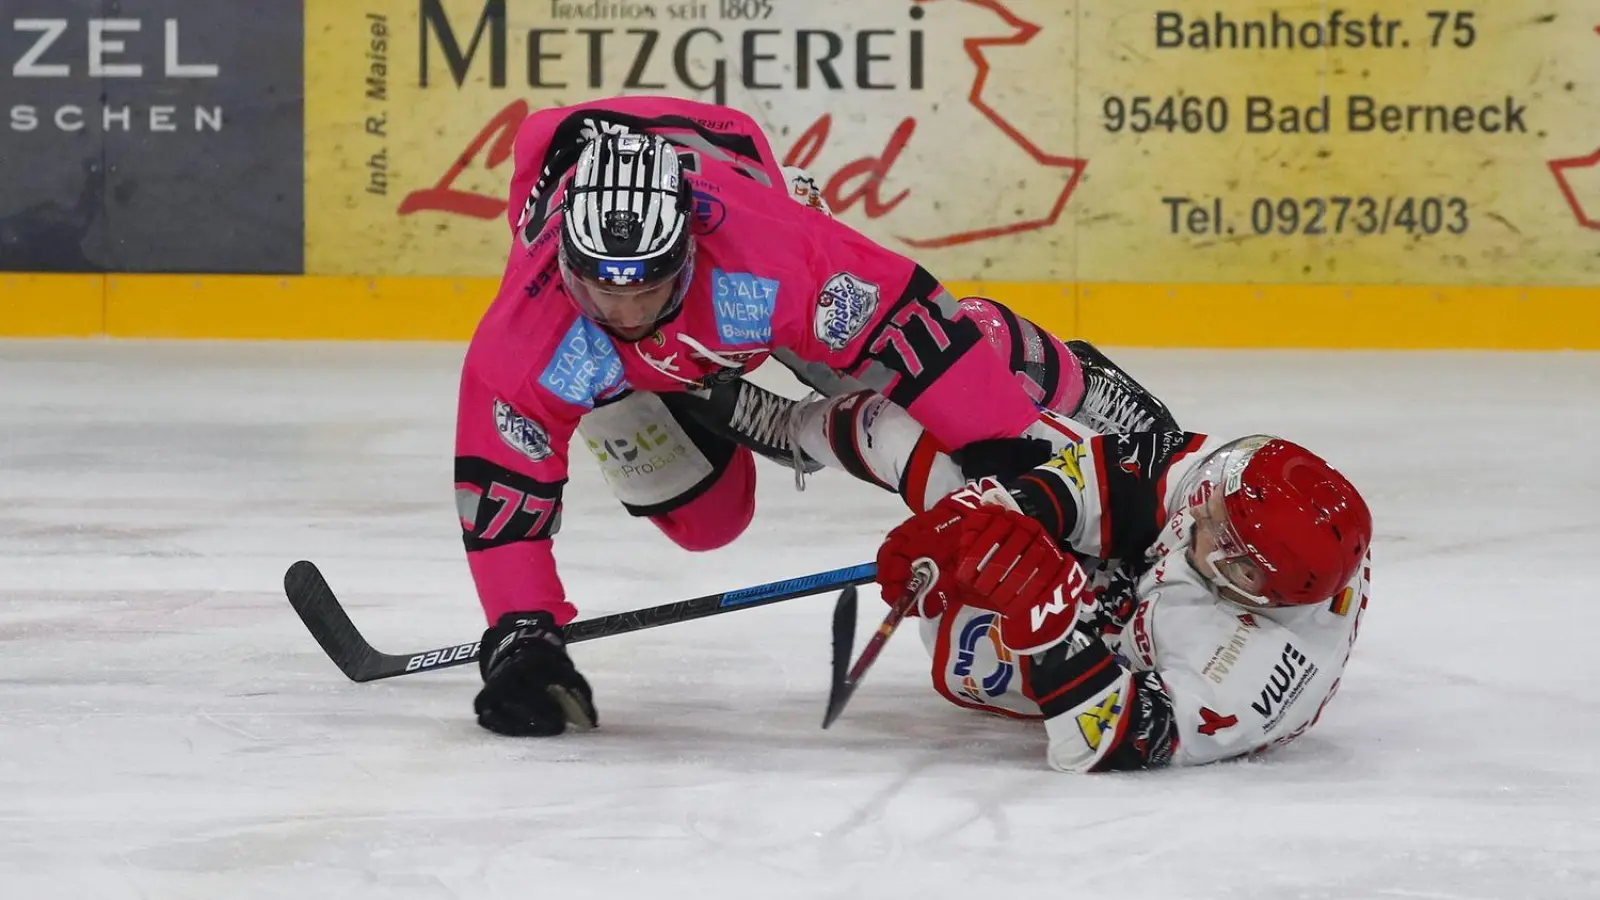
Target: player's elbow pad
1099 716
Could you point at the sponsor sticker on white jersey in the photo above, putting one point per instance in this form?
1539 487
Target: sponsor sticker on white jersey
523 434
1143 628
844 308
1285 684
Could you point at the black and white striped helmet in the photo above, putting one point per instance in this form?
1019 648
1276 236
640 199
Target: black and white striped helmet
626 233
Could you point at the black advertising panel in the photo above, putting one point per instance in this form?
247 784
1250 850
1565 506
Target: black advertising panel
151 136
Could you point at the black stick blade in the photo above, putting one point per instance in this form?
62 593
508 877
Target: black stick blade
844 638
319 609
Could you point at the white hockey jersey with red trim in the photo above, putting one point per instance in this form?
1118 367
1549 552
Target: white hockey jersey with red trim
1240 679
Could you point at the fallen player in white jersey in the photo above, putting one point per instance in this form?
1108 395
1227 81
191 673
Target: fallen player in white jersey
1230 581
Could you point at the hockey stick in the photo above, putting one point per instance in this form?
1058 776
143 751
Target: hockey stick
844 628
327 621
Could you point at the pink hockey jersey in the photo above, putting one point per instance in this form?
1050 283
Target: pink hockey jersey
769 273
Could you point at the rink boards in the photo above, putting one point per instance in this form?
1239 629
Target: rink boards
1245 175
447 309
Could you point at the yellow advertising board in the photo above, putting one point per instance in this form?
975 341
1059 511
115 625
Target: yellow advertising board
1097 141
411 106
1403 142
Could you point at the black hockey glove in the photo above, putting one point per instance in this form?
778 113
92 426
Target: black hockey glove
1002 458
530 686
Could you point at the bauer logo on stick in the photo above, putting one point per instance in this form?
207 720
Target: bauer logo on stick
424 661
523 434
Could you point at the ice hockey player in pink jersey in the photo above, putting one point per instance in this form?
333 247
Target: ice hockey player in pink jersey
1232 579
656 255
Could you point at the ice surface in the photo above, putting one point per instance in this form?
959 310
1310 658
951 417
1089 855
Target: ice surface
169 730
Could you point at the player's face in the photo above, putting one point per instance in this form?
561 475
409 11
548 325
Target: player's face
630 311
632 315
1220 561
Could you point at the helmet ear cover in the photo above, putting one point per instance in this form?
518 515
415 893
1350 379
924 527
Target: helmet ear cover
685 195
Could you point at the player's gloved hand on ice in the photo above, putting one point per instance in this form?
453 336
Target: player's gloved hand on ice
530 686
992 556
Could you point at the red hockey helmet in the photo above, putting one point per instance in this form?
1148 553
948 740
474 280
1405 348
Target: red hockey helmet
1289 530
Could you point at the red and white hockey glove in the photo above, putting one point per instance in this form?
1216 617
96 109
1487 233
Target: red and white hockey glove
990 556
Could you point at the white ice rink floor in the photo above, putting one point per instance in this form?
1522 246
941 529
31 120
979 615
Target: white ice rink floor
168 729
